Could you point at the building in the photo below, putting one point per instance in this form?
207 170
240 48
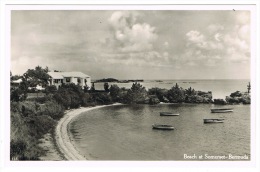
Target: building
16 83
78 78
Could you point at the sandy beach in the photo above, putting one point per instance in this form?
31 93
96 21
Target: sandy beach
62 134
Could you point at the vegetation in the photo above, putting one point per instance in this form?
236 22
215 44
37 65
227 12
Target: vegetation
176 94
239 97
137 94
37 76
107 80
29 122
106 87
31 118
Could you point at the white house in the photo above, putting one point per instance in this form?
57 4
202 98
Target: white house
78 78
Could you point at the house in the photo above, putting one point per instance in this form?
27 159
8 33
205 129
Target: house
16 83
78 78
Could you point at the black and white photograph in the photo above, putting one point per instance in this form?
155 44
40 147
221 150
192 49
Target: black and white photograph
132 83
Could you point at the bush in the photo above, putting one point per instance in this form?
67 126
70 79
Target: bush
153 100
52 109
236 94
39 125
50 89
86 100
69 95
160 93
114 93
101 98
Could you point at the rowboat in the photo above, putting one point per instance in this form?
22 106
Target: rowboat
213 120
222 110
163 127
168 114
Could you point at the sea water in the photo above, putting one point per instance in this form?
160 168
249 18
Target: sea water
219 88
125 132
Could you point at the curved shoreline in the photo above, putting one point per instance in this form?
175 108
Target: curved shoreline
62 134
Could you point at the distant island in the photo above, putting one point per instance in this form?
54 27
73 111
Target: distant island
118 81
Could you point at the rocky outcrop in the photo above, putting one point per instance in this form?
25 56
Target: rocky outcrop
239 98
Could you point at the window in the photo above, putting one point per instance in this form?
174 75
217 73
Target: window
56 80
67 79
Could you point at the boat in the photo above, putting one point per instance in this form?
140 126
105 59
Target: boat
222 110
168 114
163 127
213 120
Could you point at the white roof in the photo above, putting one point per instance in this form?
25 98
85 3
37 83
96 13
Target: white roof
61 75
17 81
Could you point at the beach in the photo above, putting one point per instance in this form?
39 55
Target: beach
63 140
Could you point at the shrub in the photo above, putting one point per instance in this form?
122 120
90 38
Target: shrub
236 94
50 89
101 98
39 125
114 92
52 109
160 93
153 100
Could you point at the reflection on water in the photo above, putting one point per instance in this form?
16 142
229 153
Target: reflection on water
125 132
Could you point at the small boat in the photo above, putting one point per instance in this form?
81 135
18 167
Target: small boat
213 120
168 114
163 127
222 110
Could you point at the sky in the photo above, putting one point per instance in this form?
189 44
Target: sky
175 44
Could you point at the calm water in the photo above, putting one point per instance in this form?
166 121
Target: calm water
219 88
125 132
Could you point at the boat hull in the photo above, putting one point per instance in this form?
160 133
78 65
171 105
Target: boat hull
163 127
208 121
221 110
168 114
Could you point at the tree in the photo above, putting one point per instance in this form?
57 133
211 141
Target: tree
137 94
114 92
37 76
190 92
92 87
106 87
160 93
176 94
20 93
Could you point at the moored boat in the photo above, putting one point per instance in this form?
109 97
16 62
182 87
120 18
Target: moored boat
163 127
168 114
213 120
221 110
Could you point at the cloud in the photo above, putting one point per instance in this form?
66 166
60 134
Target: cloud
213 28
166 44
196 38
218 45
129 35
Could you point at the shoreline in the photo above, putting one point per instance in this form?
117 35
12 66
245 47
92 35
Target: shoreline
62 136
